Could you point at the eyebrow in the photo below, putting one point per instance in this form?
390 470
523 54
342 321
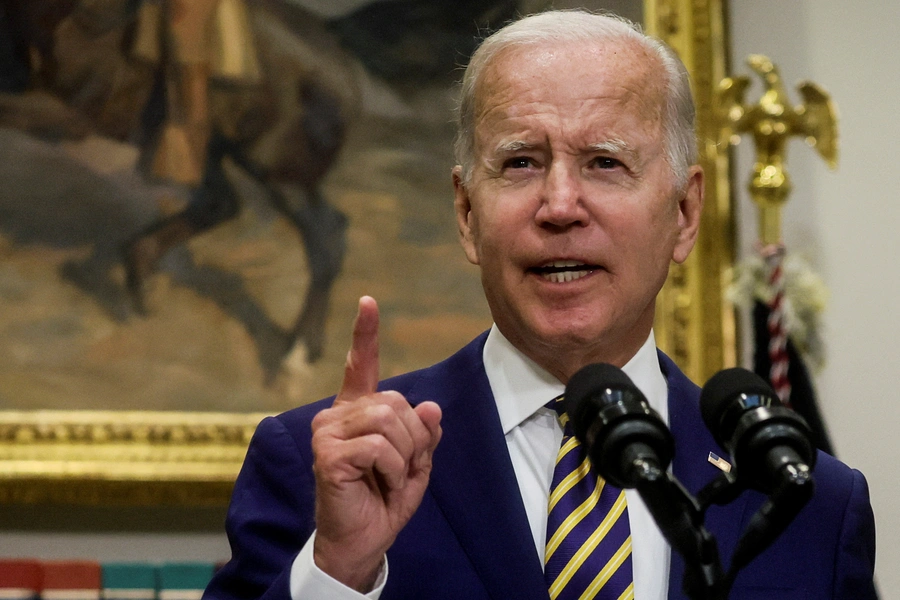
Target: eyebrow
512 146
614 146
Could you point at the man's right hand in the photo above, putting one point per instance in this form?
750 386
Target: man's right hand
372 463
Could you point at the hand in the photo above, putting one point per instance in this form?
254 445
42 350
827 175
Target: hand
372 463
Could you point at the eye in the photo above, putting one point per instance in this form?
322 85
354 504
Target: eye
518 162
605 162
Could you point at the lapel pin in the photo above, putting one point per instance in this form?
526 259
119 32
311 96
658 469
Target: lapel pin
720 462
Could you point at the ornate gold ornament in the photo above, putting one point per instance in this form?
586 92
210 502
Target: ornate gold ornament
772 122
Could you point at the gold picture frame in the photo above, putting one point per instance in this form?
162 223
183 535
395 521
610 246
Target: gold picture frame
695 324
182 458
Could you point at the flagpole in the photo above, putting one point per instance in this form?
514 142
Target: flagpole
772 121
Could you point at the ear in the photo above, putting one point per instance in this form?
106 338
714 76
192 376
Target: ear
690 207
464 218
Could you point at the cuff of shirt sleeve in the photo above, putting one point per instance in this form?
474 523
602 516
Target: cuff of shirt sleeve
309 581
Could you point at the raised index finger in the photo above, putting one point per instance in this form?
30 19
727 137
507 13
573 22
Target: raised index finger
361 369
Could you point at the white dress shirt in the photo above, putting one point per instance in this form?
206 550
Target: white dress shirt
533 435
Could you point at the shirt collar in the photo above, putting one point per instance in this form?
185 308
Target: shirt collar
521 387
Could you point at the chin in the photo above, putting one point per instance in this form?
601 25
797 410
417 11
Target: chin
581 323
569 334
589 333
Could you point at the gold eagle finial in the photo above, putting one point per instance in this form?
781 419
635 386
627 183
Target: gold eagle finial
772 122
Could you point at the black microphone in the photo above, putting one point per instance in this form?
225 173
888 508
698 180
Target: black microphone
772 450
625 438
769 443
630 446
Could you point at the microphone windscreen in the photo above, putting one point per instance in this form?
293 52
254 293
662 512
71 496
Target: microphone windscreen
593 379
723 387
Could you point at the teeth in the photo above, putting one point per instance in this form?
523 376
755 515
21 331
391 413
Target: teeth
564 276
562 271
563 263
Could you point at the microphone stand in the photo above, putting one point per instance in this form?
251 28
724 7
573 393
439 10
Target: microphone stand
795 489
680 518
773 517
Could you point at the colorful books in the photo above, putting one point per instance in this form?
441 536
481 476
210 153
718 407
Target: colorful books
32 579
20 579
184 581
129 581
71 580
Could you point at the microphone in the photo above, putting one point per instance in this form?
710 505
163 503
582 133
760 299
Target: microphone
770 443
624 437
772 451
630 446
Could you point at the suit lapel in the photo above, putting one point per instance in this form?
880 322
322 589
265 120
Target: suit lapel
691 467
474 484
473 481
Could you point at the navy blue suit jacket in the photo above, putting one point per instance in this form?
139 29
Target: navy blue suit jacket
470 540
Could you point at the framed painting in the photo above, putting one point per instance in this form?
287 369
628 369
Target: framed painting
157 301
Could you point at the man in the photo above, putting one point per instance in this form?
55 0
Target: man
195 40
576 187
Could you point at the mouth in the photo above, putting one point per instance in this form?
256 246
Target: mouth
564 271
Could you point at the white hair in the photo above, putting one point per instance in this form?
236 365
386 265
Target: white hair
560 26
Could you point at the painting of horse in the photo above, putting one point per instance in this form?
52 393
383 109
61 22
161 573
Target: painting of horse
325 178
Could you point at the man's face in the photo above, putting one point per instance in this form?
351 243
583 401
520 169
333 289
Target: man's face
572 211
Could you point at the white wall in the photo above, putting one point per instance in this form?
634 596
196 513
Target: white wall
103 547
847 222
108 534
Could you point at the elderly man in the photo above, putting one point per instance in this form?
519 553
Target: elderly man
576 188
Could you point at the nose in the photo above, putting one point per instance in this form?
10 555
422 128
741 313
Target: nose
562 204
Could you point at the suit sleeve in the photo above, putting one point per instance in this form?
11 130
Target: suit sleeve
855 568
270 517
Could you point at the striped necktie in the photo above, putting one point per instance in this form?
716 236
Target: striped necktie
588 552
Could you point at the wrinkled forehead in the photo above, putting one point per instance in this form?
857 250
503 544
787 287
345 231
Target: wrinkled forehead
574 69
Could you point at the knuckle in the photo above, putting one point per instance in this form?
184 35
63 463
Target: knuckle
380 446
329 416
320 420
381 452
381 414
394 398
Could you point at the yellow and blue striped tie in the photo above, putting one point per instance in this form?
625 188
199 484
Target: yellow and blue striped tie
588 552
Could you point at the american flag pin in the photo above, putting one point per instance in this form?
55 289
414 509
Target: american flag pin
720 462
